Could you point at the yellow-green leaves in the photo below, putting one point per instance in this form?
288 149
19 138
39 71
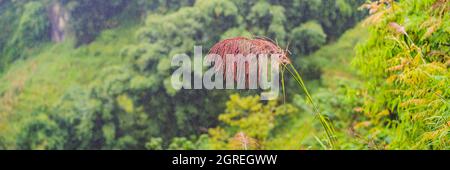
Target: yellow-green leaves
248 120
406 55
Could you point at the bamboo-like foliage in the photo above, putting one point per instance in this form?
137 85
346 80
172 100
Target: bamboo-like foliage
406 62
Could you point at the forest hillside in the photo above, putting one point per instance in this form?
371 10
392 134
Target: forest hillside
95 74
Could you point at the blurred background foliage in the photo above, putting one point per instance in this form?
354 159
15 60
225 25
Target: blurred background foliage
106 83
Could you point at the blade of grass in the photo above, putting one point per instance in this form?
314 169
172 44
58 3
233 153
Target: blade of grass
320 142
282 85
325 122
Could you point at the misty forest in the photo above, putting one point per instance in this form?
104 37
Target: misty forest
96 74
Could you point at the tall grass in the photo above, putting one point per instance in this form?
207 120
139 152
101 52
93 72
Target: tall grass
324 121
263 46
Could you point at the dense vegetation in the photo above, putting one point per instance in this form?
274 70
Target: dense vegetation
406 62
106 84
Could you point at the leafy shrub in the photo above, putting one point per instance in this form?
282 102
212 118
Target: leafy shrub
308 37
131 105
406 62
89 17
32 29
247 120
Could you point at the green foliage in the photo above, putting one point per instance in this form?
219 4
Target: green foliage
89 17
61 74
33 25
154 144
405 62
113 90
30 27
39 132
250 117
162 6
337 94
263 14
181 144
308 37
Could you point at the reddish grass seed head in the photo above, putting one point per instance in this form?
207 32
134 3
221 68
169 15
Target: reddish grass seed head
245 46
241 46
242 141
398 28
